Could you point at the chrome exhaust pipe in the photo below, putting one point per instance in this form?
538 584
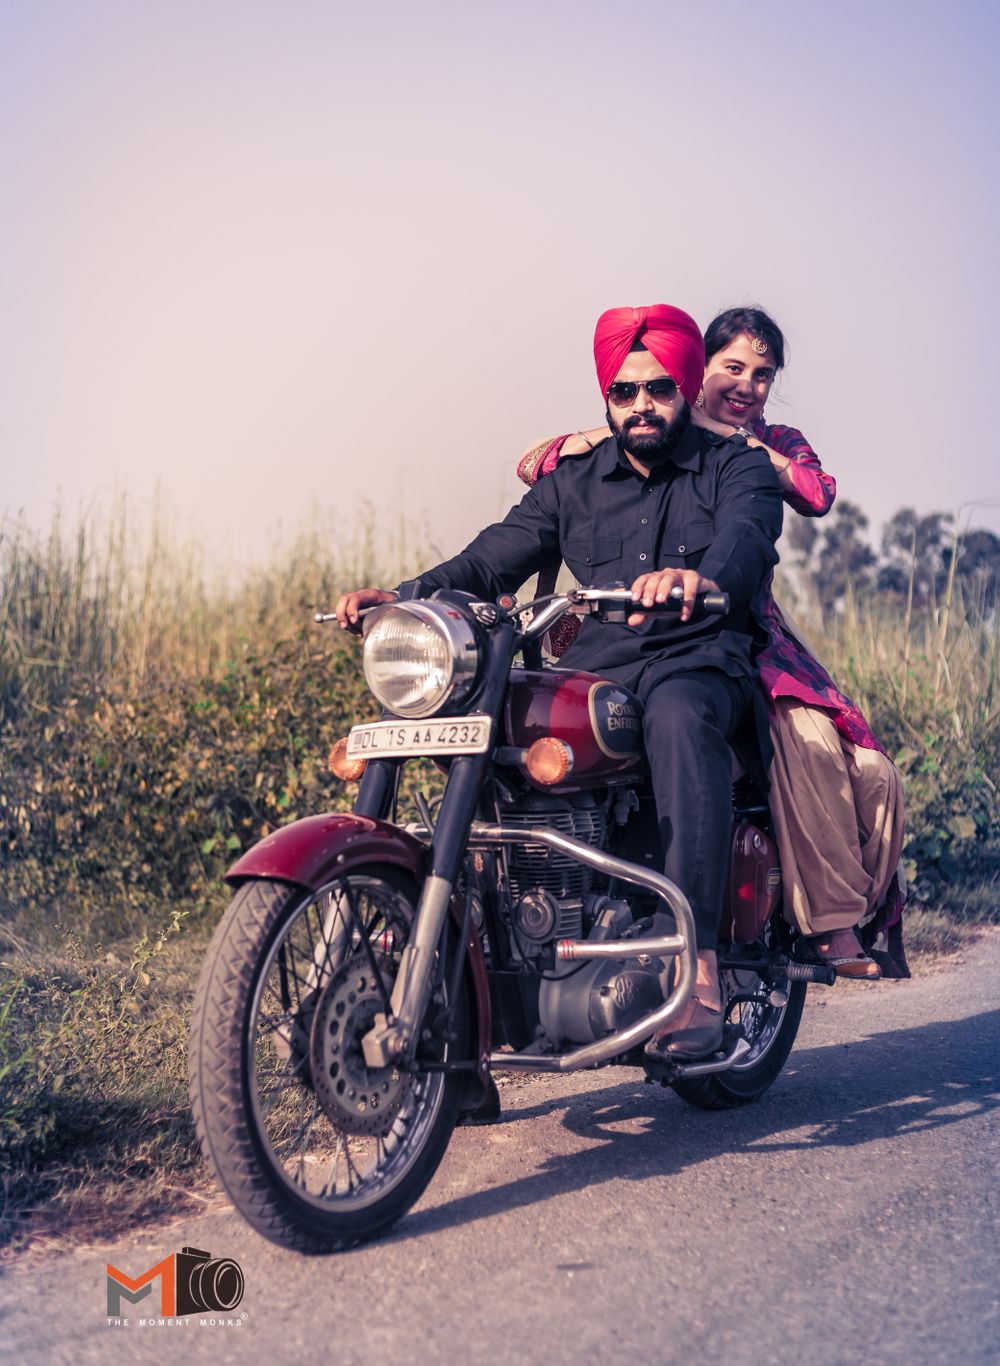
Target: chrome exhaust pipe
573 950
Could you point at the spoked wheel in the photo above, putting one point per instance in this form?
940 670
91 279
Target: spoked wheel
317 1150
769 1022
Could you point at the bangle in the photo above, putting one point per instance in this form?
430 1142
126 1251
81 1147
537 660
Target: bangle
788 461
585 437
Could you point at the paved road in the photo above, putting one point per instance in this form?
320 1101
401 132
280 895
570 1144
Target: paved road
849 1216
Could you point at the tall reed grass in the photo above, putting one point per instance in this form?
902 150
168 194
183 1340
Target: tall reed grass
940 660
928 679
119 593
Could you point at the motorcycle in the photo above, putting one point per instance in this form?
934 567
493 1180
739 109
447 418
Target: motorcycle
368 974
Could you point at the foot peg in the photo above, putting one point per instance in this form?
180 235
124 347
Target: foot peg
811 972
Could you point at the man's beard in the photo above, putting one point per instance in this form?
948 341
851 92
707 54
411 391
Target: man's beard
651 447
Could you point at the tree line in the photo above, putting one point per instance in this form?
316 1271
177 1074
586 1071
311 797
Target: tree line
915 560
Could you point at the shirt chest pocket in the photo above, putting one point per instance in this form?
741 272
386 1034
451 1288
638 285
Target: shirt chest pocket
684 545
594 560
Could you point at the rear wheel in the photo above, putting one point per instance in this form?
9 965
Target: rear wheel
316 1150
769 1026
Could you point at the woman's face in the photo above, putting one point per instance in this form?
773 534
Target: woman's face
738 380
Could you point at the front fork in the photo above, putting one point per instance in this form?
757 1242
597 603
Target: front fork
395 1033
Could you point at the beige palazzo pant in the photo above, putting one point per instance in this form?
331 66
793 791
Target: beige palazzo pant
837 810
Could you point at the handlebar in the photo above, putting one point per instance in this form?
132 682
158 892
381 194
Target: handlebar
613 604
711 604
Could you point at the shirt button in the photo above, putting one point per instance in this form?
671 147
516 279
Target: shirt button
681 549
642 557
644 521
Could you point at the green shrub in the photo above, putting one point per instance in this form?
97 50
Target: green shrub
150 792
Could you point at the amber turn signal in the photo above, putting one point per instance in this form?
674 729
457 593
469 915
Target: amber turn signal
350 770
549 760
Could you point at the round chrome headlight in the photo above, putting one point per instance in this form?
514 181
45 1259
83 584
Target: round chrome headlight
419 657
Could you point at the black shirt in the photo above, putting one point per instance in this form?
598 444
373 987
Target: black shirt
715 506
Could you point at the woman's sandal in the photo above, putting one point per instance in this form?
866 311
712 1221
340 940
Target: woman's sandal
842 951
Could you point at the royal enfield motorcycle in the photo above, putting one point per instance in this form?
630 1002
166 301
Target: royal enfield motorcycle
369 972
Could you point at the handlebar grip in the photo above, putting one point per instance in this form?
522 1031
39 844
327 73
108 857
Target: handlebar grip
354 628
715 604
706 604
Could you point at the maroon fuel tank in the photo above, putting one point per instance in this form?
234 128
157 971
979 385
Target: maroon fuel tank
599 720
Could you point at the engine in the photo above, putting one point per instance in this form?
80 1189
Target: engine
552 898
547 888
579 1003
534 866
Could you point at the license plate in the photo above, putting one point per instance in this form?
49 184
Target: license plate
408 739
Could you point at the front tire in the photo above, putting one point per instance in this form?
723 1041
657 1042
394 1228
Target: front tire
306 1155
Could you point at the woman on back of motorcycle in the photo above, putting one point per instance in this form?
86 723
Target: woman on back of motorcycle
836 799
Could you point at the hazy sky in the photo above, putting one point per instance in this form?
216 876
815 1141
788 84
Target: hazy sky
277 257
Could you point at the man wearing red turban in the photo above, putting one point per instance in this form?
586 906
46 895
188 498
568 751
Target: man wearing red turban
660 504
669 334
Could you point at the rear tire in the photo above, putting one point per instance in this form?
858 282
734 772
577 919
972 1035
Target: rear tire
771 1031
297 1171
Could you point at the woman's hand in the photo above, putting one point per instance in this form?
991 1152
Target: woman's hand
699 418
650 589
351 604
579 443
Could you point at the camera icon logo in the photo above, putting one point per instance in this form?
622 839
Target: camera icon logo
205 1282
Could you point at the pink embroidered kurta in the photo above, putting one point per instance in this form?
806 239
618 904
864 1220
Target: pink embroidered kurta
786 667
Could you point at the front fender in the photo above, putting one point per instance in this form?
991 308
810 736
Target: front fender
312 851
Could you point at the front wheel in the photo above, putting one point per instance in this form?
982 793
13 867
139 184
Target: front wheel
316 1150
769 1026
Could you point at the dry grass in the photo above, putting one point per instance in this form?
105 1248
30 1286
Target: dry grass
939 663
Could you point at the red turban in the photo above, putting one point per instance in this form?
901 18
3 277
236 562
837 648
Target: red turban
667 333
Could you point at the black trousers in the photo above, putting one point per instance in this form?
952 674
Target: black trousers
689 721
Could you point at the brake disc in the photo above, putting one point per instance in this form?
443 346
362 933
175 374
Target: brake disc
355 1097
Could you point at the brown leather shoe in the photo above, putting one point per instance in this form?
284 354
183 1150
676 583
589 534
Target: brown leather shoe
842 951
696 1033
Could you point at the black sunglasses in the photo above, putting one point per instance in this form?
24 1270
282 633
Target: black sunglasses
624 392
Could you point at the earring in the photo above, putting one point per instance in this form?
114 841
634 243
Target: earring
700 400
